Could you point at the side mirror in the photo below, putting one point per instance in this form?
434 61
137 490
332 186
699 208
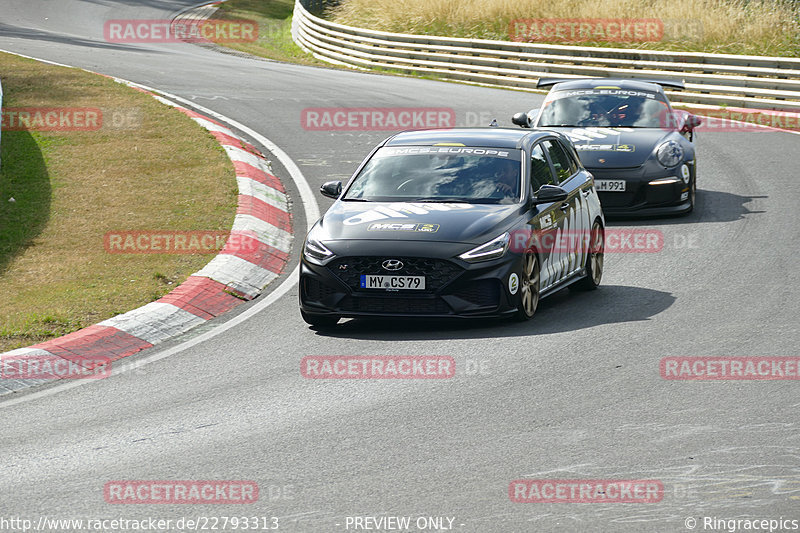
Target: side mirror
331 189
549 193
691 122
521 120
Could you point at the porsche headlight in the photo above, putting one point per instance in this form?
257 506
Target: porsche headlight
493 249
669 154
316 252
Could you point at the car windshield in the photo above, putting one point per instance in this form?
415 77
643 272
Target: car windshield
605 107
440 174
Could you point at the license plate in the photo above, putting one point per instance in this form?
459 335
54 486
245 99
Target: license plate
392 282
610 185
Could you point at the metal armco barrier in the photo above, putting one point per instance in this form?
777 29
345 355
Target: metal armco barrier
716 79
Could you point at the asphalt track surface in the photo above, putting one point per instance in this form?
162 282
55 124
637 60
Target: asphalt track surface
574 394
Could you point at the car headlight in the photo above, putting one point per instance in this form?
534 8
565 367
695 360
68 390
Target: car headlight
491 250
669 154
316 252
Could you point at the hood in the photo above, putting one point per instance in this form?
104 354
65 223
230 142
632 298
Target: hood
418 221
619 147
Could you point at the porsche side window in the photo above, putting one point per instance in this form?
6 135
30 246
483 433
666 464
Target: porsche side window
563 164
540 169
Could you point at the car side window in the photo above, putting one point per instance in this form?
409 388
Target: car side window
540 169
564 165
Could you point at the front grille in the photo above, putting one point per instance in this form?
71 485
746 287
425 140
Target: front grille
437 272
424 306
616 199
482 293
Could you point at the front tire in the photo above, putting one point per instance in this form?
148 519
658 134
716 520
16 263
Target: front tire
528 294
594 261
692 194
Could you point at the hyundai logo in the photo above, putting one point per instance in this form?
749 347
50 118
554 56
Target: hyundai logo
392 264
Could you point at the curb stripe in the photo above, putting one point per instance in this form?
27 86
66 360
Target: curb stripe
212 126
237 273
243 170
250 205
264 193
239 154
202 297
154 322
231 140
11 385
264 232
95 340
264 256
196 115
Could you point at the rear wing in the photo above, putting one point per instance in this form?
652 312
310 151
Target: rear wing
547 82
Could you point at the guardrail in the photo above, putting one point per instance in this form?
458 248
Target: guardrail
716 79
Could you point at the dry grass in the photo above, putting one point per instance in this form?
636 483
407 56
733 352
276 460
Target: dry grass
762 27
274 19
149 167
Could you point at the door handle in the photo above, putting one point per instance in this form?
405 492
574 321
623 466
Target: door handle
564 206
586 193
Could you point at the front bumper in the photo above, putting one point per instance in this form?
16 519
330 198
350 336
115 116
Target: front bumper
641 198
453 288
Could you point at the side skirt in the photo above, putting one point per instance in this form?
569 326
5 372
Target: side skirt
566 282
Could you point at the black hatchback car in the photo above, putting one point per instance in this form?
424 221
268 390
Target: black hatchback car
454 223
640 151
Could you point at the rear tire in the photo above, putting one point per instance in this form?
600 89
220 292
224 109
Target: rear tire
319 321
528 294
594 261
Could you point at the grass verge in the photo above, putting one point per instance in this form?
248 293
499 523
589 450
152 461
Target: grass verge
148 167
758 27
274 18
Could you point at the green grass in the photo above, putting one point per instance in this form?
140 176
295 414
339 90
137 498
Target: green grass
274 18
25 180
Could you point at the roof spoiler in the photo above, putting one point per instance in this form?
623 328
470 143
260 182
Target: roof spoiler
547 82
